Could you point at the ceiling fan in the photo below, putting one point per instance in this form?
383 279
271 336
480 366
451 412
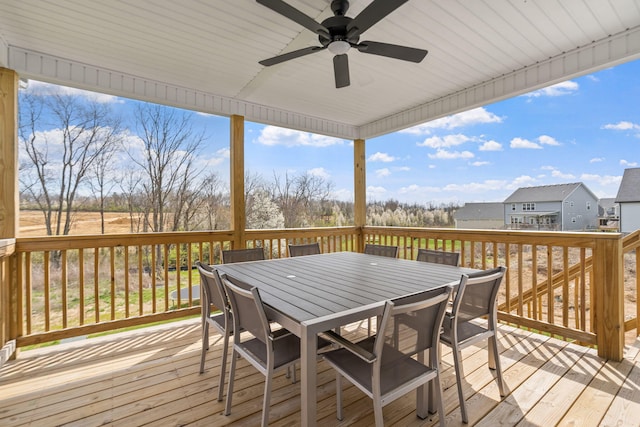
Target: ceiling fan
339 33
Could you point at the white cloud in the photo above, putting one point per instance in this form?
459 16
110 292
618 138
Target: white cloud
624 125
466 118
403 168
319 172
491 146
524 143
273 136
450 155
602 179
443 142
480 163
343 194
547 140
381 173
477 187
559 89
381 157
557 174
597 160
416 189
374 192
40 88
627 163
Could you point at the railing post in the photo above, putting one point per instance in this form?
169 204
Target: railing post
608 274
359 190
238 217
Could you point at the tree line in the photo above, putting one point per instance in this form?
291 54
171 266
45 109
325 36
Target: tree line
77 154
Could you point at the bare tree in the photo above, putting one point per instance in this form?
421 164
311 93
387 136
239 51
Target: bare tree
169 145
55 163
216 202
103 179
300 197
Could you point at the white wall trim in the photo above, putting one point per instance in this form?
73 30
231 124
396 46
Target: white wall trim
52 69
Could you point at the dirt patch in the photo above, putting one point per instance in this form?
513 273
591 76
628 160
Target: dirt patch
32 223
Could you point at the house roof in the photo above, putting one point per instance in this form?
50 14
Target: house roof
545 193
480 211
203 55
629 190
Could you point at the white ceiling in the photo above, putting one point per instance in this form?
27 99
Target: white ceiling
203 55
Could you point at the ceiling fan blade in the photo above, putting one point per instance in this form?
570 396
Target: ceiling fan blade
392 51
295 15
371 14
291 55
341 70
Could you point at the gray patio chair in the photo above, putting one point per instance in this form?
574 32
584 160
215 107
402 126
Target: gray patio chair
476 297
386 372
306 249
381 250
213 294
438 257
242 255
267 350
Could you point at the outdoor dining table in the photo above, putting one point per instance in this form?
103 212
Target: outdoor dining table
316 293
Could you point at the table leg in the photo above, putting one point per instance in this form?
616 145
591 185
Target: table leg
308 372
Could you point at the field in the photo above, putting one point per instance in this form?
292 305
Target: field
32 223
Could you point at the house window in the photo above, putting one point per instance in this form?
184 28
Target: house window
528 206
573 219
571 203
513 206
588 206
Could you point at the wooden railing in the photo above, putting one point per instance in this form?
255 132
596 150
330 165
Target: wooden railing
8 297
565 284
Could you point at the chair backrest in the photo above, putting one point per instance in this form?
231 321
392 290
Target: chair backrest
381 250
438 257
412 323
242 255
476 295
246 306
306 249
213 292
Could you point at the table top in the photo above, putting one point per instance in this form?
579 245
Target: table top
315 286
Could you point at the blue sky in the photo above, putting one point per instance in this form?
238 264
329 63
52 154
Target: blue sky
586 129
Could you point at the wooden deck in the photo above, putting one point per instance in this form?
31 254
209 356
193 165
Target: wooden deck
150 377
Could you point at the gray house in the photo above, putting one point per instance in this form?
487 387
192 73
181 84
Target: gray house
629 200
480 216
563 207
608 214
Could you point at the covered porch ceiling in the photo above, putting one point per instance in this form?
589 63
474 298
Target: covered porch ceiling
203 55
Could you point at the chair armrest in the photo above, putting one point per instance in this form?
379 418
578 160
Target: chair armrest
352 347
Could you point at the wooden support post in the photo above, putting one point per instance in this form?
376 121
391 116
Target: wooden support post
10 325
359 189
238 217
608 285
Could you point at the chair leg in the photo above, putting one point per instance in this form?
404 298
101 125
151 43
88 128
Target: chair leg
339 397
457 359
377 413
232 374
494 360
437 389
205 345
267 398
223 365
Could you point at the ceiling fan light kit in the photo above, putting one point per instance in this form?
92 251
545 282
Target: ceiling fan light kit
339 33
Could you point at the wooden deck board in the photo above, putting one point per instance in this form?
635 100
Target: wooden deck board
150 377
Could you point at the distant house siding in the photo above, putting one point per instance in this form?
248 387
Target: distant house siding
580 211
482 224
629 217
